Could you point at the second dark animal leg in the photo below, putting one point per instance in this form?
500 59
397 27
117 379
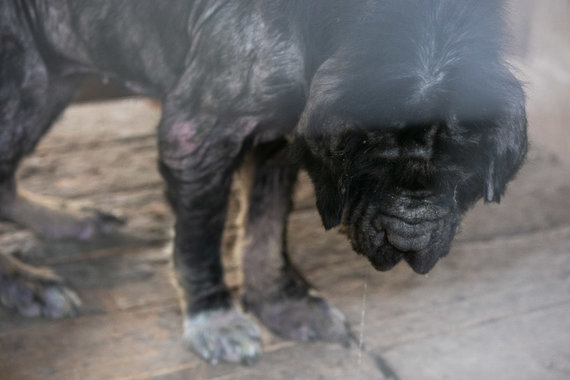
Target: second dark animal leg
28 290
197 159
31 291
31 98
273 289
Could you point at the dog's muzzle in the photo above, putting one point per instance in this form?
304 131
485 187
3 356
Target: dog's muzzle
409 223
416 230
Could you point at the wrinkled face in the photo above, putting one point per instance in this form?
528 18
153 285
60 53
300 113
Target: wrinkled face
411 118
404 199
399 192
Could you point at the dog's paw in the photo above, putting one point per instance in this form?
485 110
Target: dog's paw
84 225
305 319
38 297
223 335
56 220
97 224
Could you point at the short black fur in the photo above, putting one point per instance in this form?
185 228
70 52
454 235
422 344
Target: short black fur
403 112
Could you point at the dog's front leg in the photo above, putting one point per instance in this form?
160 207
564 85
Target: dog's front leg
197 159
273 289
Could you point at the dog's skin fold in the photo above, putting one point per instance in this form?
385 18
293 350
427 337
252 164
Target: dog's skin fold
403 112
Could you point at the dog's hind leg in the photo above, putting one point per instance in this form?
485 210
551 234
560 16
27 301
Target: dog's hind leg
30 291
273 289
31 97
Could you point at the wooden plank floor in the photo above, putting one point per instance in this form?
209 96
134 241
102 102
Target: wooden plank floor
497 307
499 304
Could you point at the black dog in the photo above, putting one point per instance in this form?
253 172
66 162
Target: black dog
403 112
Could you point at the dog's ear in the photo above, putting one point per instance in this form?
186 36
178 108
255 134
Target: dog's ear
329 191
509 145
330 197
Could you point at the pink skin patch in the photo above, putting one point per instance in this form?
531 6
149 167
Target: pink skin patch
183 133
181 137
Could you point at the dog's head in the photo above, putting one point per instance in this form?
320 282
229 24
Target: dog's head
397 154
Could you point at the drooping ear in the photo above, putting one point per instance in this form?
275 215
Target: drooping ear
330 198
318 134
509 146
329 191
